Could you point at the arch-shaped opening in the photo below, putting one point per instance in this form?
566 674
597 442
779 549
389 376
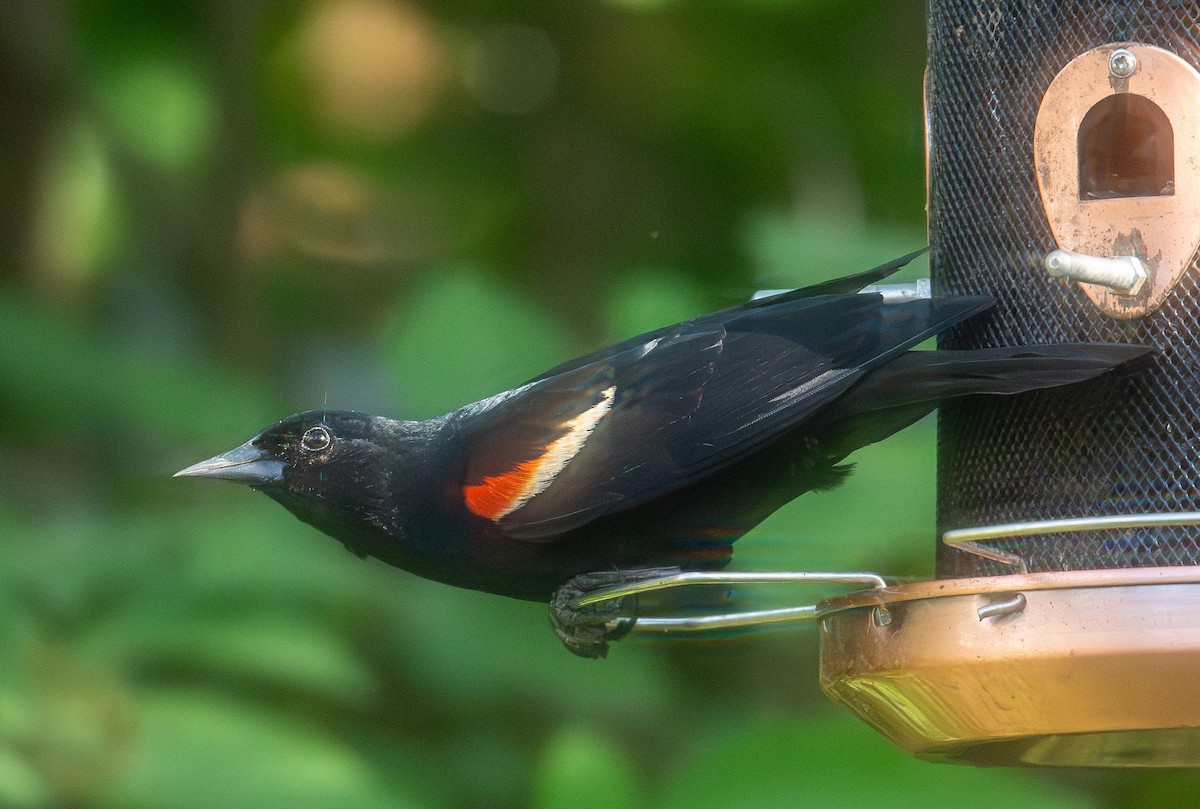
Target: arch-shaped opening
1126 149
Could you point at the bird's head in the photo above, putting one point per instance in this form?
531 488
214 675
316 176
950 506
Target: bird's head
328 468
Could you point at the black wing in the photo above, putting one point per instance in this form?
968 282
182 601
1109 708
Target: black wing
662 411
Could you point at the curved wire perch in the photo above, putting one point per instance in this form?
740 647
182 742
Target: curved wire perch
966 539
726 620
695 577
718 621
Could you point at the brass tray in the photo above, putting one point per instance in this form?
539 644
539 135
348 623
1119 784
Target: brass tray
1078 668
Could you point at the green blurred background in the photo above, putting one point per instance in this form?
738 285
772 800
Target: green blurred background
218 213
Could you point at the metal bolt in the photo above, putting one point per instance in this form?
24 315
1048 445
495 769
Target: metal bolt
1122 64
1125 275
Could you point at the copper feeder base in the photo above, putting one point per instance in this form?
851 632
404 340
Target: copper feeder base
1081 668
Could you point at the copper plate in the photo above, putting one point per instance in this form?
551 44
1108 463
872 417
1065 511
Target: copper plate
1165 229
1098 669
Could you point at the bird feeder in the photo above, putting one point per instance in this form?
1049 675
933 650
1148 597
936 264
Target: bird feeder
1064 625
1064 181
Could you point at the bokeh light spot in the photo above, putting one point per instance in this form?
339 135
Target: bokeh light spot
375 68
161 110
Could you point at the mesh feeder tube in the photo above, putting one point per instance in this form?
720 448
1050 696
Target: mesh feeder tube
1064 181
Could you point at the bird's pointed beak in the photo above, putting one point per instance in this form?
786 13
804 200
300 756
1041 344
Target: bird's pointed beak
247 464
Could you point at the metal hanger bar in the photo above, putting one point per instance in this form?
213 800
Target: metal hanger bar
966 539
892 293
956 536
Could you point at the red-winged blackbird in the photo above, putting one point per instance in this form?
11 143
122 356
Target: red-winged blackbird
658 451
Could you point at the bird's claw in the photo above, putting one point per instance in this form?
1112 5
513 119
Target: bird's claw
587 630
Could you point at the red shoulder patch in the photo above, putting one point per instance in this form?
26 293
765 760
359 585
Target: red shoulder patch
500 494
497 496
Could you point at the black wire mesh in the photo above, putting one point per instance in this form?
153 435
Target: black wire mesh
1127 446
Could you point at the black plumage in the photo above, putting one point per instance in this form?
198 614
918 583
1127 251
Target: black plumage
659 450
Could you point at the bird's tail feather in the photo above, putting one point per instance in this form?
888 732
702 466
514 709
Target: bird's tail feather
935 376
902 391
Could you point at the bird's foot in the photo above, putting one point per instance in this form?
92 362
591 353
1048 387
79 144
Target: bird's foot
587 629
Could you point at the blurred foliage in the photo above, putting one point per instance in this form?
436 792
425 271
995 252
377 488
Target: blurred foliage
217 213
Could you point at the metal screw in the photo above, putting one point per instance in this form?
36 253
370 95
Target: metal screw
1122 64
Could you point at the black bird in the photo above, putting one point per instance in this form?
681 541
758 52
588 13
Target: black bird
658 451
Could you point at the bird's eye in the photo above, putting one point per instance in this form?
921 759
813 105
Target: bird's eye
316 439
